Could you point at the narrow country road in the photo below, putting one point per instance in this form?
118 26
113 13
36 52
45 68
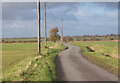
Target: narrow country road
71 66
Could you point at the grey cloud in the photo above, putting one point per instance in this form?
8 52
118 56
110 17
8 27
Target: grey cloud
18 11
28 10
19 5
25 10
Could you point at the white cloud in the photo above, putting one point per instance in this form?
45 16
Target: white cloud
14 25
19 23
82 13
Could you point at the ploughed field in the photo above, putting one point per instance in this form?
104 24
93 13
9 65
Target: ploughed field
20 62
102 53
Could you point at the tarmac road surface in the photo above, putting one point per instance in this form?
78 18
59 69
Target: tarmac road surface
72 66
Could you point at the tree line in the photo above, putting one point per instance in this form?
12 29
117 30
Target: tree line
54 36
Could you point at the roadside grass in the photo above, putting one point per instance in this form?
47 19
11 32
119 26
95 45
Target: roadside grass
98 57
46 70
21 63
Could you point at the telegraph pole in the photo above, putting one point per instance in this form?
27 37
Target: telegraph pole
39 34
45 32
62 31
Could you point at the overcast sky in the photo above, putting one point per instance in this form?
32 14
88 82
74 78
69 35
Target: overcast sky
80 18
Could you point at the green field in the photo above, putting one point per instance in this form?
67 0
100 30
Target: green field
20 61
105 54
14 53
16 56
21 39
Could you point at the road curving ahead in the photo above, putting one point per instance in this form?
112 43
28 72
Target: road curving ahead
72 66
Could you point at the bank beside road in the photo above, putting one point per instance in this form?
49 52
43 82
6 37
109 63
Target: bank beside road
101 53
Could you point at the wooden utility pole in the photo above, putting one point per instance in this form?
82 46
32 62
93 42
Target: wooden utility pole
39 34
45 32
62 31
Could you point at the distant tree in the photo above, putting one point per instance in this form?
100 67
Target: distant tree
2 40
111 38
96 35
54 36
97 39
68 39
84 39
78 39
112 35
106 36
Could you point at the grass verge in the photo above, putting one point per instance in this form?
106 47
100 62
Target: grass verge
108 63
